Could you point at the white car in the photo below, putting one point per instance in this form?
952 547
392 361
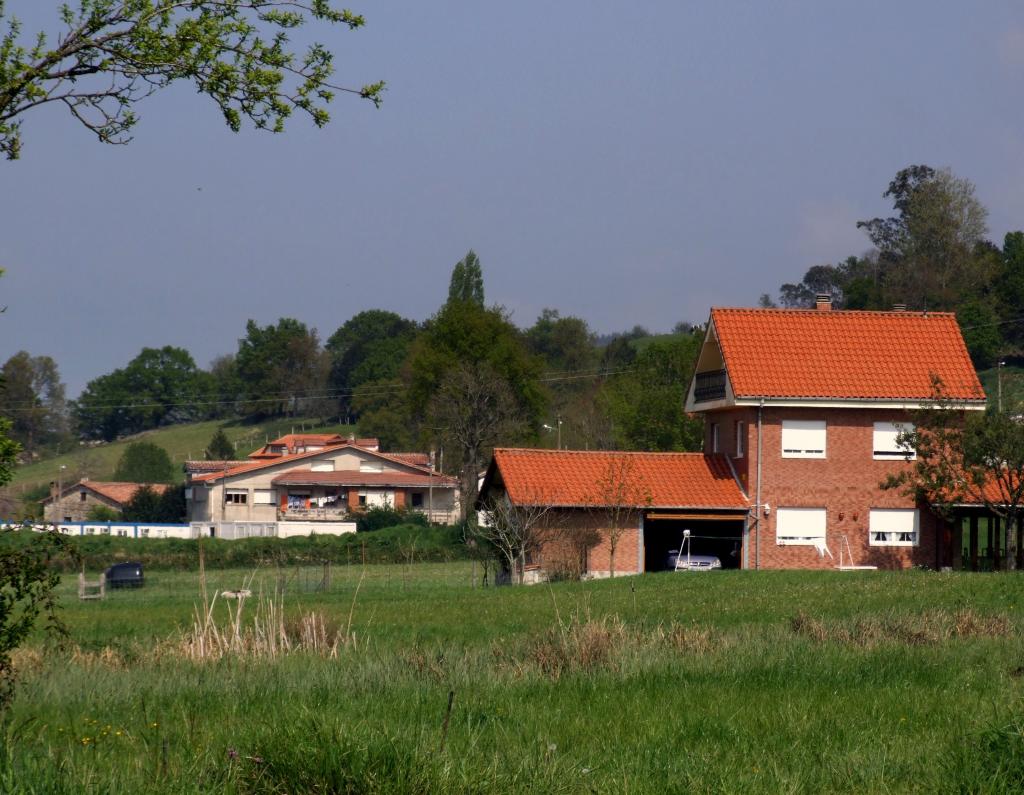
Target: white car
692 563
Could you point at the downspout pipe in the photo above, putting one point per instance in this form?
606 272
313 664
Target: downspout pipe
757 506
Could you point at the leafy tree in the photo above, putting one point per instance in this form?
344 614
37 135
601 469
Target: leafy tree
160 386
9 450
466 336
620 497
646 404
225 387
144 506
979 324
148 505
368 347
565 343
467 283
476 408
27 582
281 368
386 414
220 447
966 457
145 462
113 53
102 513
929 249
33 398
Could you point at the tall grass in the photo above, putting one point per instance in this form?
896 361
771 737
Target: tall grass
797 682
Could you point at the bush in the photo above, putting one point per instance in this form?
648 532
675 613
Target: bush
391 545
379 518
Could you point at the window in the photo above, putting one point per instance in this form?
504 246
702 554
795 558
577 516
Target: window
82 496
885 441
800 526
893 527
803 438
714 437
416 499
236 497
263 497
741 436
362 499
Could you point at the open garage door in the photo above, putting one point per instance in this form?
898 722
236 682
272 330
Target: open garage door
720 535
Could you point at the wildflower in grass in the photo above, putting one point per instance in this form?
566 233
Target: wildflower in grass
118 733
86 740
153 725
232 753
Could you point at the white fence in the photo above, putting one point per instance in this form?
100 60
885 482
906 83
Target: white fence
226 530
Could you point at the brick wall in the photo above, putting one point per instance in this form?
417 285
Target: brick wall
845 483
580 540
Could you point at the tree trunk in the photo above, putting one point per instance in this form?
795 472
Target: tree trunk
613 544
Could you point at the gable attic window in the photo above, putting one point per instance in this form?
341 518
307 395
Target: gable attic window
800 526
893 527
803 438
885 441
82 496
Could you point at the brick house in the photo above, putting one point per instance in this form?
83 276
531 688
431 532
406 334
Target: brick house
75 500
802 410
808 404
647 499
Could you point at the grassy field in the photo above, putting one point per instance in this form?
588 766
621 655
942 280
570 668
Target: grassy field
181 442
730 682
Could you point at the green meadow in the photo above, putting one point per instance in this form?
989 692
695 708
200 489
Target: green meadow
723 682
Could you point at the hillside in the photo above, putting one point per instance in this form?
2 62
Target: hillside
182 442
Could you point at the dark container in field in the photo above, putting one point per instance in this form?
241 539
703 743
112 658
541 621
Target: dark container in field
125 575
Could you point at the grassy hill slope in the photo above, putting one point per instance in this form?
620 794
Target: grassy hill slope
182 442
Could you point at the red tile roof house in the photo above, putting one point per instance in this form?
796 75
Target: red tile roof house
802 409
328 484
648 499
807 405
76 499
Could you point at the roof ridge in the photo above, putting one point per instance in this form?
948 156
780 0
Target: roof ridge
918 313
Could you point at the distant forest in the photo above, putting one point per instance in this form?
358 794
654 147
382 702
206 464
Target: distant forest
468 378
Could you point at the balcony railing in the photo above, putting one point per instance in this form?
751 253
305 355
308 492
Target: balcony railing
314 514
709 386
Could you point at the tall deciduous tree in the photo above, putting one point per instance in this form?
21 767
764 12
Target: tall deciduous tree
467 283
32 397
475 408
160 386
109 54
465 336
369 347
281 368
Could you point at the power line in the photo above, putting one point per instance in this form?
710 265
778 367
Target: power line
281 397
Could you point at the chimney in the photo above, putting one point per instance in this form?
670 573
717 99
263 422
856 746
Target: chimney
823 302
899 307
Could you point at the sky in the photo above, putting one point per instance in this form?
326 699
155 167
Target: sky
626 163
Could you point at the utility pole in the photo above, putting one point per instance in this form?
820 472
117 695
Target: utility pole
999 384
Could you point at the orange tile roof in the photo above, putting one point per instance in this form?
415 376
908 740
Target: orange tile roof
252 466
807 353
574 478
116 491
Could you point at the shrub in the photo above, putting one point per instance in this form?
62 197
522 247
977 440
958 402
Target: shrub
379 518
